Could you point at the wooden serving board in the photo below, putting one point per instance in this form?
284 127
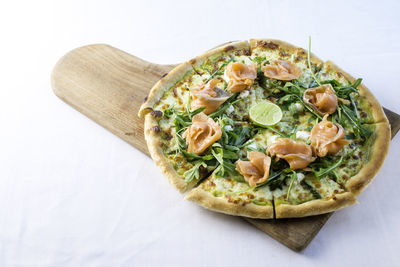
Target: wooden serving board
109 85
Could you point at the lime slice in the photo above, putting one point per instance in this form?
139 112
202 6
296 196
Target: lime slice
265 113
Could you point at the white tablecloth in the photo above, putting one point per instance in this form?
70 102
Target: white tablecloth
73 194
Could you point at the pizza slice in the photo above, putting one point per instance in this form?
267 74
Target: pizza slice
233 197
175 100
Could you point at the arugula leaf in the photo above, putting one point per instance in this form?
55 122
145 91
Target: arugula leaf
219 156
219 70
229 102
231 148
276 131
194 172
293 110
358 129
272 178
353 103
333 82
357 83
272 86
292 88
230 155
230 169
226 168
329 167
277 182
311 189
293 177
182 120
292 97
341 90
292 133
168 112
345 91
287 99
195 112
309 61
241 135
259 60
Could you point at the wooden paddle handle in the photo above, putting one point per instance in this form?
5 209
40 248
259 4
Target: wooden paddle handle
107 85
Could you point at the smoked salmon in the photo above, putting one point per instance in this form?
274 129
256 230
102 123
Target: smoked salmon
240 76
322 99
203 132
297 154
281 70
327 137
208 96
256 170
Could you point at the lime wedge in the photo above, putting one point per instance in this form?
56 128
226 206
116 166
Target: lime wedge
265 113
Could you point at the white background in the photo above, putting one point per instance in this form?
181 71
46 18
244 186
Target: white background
73 194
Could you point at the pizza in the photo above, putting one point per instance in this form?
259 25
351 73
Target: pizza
265 129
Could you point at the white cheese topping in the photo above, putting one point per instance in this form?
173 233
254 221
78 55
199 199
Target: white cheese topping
244 94
302 135
272 139
228 128
298 106
253 145
230 109
300 177
226 78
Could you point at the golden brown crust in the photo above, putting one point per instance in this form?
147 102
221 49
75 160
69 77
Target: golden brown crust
374 106
162 86
154 146
315 207
206 200
226 48
377 155
282 45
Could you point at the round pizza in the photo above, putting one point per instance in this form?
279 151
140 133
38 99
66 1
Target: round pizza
264 129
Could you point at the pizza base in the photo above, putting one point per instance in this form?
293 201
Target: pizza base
158 90
200 60
204 199
254 43
354 185
315 207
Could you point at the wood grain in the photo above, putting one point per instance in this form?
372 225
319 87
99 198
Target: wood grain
109 85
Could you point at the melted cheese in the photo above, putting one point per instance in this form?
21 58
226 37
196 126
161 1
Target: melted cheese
302 135
229 188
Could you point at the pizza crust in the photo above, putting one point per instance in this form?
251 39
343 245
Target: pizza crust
377 154
204 199
315 207
162 86
278 44
232 46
